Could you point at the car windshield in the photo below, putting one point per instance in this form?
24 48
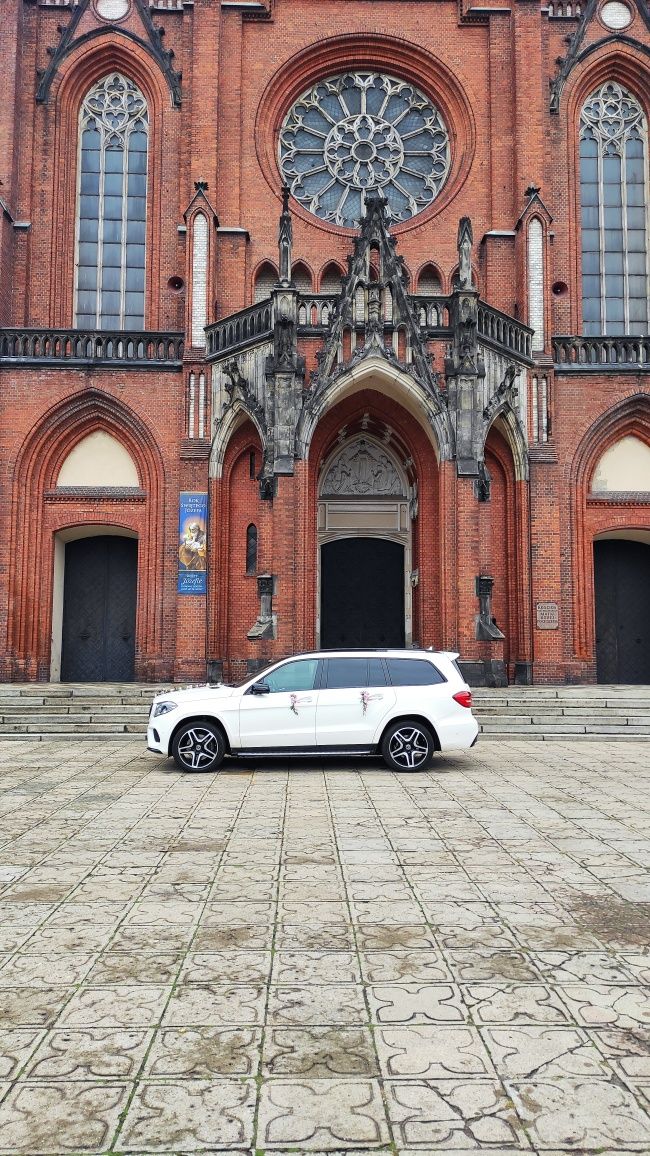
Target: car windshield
258 674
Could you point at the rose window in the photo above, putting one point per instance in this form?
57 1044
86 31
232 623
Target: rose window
361 131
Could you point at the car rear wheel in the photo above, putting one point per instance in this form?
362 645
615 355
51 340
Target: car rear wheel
198 746
408 746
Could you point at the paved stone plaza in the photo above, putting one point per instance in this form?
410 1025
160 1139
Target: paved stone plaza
325 959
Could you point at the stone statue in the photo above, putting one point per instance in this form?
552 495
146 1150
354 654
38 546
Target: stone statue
285 239
465 242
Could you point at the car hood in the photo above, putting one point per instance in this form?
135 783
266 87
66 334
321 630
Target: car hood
190 693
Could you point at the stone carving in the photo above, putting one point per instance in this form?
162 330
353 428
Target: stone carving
285 239
265 624
465 242
486 625
362 469
69 35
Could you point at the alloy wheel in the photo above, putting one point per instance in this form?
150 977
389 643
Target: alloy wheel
408 748
198 748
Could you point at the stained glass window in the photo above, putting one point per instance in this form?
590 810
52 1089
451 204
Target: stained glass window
359 131
614 213
112 206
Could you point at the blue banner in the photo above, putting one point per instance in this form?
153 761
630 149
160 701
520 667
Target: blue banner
193 542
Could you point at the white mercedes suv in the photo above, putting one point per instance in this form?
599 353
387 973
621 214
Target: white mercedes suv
401 704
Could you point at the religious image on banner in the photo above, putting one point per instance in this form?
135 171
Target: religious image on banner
193 540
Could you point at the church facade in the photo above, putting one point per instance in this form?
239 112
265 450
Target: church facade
324 323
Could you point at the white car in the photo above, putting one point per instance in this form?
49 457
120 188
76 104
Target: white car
401 704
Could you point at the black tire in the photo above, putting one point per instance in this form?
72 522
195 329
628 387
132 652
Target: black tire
408 745
198 746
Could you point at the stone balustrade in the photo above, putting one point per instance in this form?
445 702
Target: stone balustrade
595 354
247 327
65 347
504 333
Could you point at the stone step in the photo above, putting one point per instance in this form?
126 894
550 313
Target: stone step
555 737
618 718
83 709
120 711
71 728
538 727
87 736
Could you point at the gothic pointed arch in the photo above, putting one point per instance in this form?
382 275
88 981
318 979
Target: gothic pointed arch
87 65
389 379
235 416
630 416
36 471
150 39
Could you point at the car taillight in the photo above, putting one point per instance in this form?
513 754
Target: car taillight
464 697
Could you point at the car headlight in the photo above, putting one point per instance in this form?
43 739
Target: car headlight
164 707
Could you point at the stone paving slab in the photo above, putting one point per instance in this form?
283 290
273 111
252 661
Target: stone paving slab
325 958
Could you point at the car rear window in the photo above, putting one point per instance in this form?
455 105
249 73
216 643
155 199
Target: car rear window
413 672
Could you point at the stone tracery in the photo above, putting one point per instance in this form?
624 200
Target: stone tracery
360 131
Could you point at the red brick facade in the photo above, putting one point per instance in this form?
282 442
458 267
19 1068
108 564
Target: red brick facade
195 419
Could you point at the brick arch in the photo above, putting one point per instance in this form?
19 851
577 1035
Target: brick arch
37 505
504 526
409 441
631 415
235 503
629 66
87 63
331 267
506 422
429 270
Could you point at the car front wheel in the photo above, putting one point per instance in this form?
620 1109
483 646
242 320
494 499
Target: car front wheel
408 746
198 746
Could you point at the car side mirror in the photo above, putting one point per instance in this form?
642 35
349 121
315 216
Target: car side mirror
260 688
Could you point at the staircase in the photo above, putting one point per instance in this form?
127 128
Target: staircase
75 710
563 712
112 712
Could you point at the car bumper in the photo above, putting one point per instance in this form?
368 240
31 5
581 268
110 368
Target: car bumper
458 734
154 741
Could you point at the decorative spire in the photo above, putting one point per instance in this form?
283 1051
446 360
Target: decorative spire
285 237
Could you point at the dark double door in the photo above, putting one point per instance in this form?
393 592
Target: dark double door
99 604
622 589
362 593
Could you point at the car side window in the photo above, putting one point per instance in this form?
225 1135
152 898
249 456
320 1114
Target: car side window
299 675
346 673
413 672
376 672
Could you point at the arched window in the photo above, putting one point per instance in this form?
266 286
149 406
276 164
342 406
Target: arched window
112 206
613 178
199 279
251 549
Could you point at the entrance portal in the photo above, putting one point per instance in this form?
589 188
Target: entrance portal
622 583
362 593
99 602
366 506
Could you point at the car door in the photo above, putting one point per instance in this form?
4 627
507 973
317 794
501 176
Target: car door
352 701
280 709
